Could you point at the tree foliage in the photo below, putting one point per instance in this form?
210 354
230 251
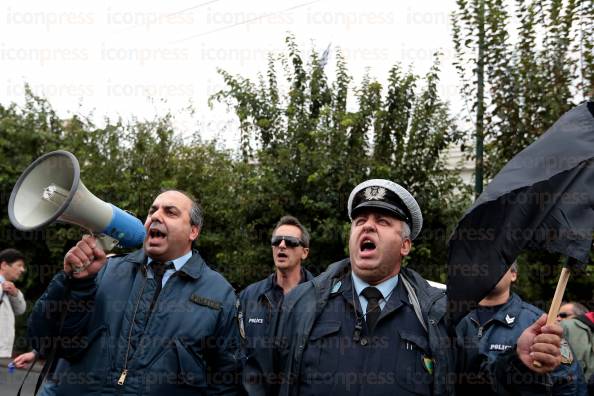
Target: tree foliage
531 79
539 63
307 147
306 140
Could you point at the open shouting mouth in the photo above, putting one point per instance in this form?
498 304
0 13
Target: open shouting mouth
367 247
157 233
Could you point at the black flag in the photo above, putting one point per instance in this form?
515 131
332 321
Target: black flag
542 199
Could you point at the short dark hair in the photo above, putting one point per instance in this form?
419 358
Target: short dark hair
291 220
10 256
196 216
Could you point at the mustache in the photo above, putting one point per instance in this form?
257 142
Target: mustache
157 226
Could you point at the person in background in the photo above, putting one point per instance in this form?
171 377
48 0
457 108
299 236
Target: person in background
493 328
579 332
24 360
261 300
12 301
50 385
570 310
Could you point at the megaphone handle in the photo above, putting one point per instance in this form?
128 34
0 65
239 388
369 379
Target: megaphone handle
106 242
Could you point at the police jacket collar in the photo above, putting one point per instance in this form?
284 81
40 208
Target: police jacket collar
386 288
397 296
427 295
266 291
508 314
397 300
178 263
271 281
269 284
193 268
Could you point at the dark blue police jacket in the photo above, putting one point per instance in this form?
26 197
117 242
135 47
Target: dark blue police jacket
190 344
317 349
483 345
259 305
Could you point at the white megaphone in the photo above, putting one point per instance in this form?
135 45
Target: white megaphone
50 190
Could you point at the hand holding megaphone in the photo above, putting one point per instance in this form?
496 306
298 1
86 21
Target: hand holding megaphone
85 259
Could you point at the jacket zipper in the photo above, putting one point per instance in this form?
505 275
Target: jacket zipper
481 328
124 372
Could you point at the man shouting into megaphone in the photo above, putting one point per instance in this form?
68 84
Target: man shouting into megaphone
152 322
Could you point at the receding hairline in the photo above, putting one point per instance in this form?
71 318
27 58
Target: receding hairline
177 192
194 210
189 200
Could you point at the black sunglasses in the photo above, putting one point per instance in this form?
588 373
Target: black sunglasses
290 241
563 315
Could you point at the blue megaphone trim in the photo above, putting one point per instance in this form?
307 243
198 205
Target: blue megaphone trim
124 227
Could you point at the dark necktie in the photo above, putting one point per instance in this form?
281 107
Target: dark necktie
142 317
373 296
159 270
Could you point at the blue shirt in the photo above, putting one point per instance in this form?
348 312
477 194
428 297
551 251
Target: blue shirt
177 263
2 279
386 288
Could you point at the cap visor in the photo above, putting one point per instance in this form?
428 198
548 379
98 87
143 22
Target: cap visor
379 206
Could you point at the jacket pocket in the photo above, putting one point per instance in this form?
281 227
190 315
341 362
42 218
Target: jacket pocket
322 354
324 329
95 343
414 365
192 368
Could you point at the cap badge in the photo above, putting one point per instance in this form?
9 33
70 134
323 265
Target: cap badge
375 193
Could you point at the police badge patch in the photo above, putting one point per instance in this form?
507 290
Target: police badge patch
428 364
566 355
336 287
240 319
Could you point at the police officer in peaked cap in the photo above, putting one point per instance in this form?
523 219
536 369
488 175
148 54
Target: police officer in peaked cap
367 325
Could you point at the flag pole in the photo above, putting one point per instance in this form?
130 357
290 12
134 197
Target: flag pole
558 297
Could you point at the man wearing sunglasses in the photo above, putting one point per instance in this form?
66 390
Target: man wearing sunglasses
368 326
261 300
570 310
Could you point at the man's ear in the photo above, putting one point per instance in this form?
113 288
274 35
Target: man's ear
305 253
194 232
406 246
513 276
